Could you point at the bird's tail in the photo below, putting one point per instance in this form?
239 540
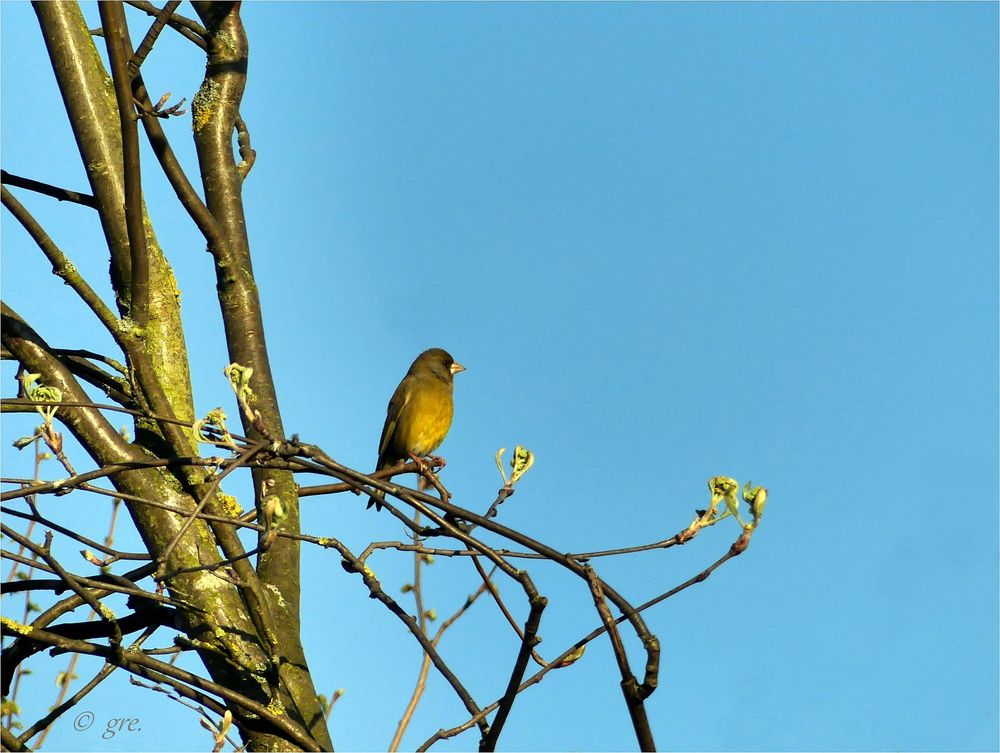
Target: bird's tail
376 500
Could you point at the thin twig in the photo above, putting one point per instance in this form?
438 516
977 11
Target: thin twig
425 502
146 45
425 666
45 552
45 723
24 402
376 592
145 666
37 518
62 194
81 353
629 685
572 653
245 457
61 265
38 459
107 470
118 389
218 708
528 642
247 154
187 27
503 608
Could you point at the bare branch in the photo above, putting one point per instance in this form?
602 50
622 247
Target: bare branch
528 642
425 665
61 266
188 28
574 652
115 35
630 686
62 194
146 45
144 666
244 458
51 524
10 742
352 564
46 721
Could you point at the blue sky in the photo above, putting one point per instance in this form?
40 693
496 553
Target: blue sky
669 241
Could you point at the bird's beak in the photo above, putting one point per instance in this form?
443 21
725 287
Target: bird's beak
456 367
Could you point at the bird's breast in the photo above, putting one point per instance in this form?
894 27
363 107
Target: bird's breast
429 413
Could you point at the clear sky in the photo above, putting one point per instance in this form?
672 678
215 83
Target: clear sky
669 241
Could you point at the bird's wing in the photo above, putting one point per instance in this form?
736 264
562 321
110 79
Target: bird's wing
399 399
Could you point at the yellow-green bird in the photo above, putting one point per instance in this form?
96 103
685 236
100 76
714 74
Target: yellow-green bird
419 413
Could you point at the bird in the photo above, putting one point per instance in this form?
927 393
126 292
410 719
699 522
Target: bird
419 413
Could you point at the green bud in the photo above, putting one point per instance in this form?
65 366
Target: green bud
573 656
757 502
499 457
521 462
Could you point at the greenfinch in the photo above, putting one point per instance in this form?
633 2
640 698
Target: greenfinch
419 413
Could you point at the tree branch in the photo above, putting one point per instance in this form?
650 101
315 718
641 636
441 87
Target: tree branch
186 27
62 194
46 721
158 358
215 111
61 266
146 45
629 685
425 665
574 652
145 666
528 642
352 564
115 36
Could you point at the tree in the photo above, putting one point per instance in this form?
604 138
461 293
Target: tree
241 618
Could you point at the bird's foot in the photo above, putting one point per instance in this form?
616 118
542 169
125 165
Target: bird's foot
429 462
426 467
